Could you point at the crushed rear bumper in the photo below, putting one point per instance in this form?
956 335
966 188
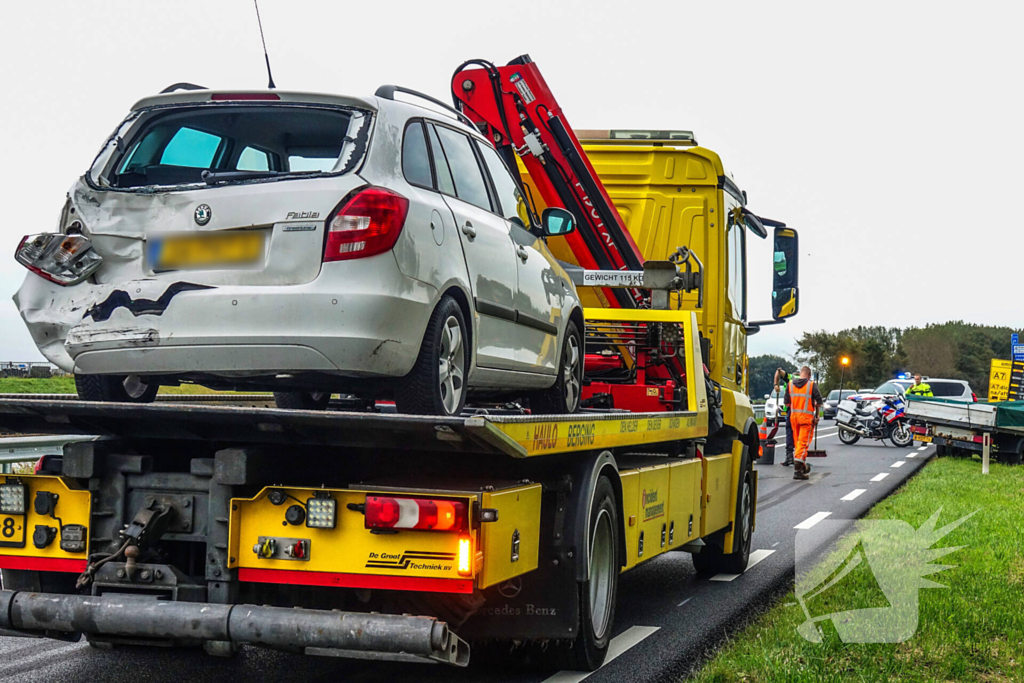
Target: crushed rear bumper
320 632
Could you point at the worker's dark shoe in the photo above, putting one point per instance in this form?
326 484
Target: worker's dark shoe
799 471
789 459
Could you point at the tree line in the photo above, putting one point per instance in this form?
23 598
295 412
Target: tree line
954 350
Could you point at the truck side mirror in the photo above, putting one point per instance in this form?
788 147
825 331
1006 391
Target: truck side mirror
557 222
785 287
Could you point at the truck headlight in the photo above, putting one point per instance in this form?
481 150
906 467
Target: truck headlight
13 499
321 513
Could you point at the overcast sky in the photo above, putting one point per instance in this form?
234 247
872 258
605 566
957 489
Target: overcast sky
888 133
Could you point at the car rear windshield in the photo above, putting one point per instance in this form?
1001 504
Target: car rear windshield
175 146
947 389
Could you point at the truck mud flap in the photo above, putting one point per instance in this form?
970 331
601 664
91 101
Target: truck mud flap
318 632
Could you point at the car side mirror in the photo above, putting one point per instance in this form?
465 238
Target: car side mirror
557 222
785 285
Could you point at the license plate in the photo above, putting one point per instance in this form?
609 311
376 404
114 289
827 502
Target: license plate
922 438
206 251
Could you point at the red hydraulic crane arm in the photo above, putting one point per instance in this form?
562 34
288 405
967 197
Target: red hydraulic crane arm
515 108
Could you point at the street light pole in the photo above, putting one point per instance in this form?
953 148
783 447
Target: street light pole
844 361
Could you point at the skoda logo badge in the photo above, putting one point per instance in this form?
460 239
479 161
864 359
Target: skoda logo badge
203 214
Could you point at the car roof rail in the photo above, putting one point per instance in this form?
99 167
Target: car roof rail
182 86
388 93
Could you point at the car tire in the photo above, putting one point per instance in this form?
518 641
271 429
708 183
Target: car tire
596 595
302 400
116 388
905 437
712 559
564 395
437 383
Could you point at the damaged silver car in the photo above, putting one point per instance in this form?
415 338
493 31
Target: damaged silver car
306 244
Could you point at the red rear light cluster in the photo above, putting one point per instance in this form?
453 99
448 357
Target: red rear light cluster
974 397
367 224
383 512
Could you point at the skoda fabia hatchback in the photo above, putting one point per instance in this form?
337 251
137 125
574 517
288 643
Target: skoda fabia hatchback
306 244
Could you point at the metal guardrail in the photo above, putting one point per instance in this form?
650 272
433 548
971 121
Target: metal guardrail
759 411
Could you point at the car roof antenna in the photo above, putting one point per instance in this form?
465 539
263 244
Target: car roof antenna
270 76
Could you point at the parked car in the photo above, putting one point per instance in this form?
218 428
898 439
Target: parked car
832 402
305 244
773 403
956 389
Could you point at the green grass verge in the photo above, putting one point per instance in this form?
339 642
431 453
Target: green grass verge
66 385
971 631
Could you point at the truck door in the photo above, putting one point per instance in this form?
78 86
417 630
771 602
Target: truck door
490 256
540 294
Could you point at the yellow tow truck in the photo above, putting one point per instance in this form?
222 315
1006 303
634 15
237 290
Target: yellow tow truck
409 537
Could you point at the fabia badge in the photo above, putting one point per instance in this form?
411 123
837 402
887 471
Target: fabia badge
203 214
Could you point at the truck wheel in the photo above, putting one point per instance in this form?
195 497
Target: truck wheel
712 559
847 437
117 388
597 594
302 400
437 383
564 395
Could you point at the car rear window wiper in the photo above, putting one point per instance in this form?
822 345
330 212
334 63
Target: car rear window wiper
214 177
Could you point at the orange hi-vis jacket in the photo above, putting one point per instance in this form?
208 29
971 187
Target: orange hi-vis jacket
801 399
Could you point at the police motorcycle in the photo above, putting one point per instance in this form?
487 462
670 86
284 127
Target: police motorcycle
879 419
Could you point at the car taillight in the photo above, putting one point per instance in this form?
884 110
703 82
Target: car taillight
383 512
369 223
64 259
974 397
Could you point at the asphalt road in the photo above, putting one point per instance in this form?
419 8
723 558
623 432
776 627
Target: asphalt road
667 619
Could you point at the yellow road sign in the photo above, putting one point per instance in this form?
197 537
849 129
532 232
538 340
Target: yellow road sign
999 379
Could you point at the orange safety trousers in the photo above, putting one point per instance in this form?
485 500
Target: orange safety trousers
802 425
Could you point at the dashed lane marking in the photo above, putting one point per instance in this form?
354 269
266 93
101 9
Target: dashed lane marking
911 455
755 558
923 448
898 463
776 543
684 602
880 477
620 643
853 494
812 520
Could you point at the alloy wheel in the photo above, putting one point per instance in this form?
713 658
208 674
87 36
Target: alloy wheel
452 365
571 363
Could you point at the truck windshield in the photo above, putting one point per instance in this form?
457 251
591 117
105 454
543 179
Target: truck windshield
175 146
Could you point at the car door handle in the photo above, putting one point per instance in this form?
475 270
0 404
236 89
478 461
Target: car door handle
468 230
523 254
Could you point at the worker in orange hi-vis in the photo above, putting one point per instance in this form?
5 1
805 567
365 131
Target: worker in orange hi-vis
803 399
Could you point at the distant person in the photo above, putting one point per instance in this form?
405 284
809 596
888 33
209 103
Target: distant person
804 400
920 388
782 379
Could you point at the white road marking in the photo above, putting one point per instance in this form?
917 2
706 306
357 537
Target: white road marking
853 494
620 643
812 520
776 543
911 455
880 477
923 448
898 463
755 558
684 602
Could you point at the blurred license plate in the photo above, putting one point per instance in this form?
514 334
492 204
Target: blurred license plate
920 437
206 251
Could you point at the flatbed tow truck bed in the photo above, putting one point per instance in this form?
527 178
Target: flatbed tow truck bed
517 436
